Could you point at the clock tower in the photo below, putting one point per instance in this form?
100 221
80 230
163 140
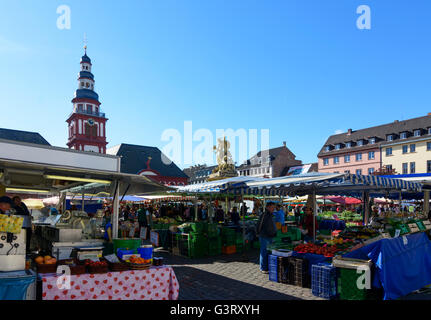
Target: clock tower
87 125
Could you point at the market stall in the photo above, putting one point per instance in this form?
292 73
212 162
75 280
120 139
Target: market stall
326 264
70 240
158 283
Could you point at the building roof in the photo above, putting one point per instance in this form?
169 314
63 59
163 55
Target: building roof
272 153
134 159
86 74
380 132
85 59
86 93
23 136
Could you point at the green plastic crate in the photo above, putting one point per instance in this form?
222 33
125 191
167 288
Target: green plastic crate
421 225
227 231
348 289
213 230
256 244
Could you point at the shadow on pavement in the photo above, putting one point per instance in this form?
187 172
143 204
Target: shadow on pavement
197 284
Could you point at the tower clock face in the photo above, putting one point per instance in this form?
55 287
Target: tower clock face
90 122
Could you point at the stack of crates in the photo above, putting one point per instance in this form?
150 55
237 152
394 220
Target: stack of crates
214 246
283 270
213 230
198 245
229 239
294 234
324 281
273 268
298 272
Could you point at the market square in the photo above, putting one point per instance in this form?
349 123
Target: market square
222 155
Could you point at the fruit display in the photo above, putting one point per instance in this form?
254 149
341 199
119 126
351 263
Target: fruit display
329 249
90 263
138 260
45 260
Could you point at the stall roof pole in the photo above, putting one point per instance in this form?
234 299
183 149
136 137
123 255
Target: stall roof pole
115 210
83 198
367 207
426 202
314 215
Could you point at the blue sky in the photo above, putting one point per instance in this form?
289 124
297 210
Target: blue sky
300 68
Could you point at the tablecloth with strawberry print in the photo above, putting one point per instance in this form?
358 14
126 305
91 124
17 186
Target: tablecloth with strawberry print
156 283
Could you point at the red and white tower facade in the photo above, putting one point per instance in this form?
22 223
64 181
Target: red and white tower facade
87 125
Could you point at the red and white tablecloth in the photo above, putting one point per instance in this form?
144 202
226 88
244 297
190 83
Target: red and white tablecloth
156 283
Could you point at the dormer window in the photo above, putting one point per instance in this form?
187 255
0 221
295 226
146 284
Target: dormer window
429 130
390 137
403 135
337 146
372 140
360 143
417 133
328 148
348 144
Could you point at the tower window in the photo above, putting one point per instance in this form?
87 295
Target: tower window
82 84
87 85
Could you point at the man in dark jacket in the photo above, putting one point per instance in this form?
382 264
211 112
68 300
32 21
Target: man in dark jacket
266 230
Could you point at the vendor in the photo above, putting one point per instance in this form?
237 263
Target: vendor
108 230
279 215
308 222
266 230
5 204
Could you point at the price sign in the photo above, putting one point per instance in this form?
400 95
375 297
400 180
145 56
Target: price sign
112 258
397 233
154 237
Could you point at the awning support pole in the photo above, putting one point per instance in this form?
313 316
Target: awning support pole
314 215
115 210
82 204
367 207
426 202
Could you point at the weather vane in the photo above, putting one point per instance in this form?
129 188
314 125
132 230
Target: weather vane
85 42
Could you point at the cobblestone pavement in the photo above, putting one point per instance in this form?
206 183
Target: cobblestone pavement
233 277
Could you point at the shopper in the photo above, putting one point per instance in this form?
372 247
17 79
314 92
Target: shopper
234 216
267 231
5 204
219 214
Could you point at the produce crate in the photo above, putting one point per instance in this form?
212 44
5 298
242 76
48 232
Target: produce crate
421 225
273 268
213 230
225 231
298 272
324 281
348 289
283 270
198 227
229 240
229 249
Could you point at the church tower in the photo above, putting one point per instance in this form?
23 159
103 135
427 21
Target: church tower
87 125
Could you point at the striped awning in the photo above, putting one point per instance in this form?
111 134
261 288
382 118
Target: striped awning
321 182
218 186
